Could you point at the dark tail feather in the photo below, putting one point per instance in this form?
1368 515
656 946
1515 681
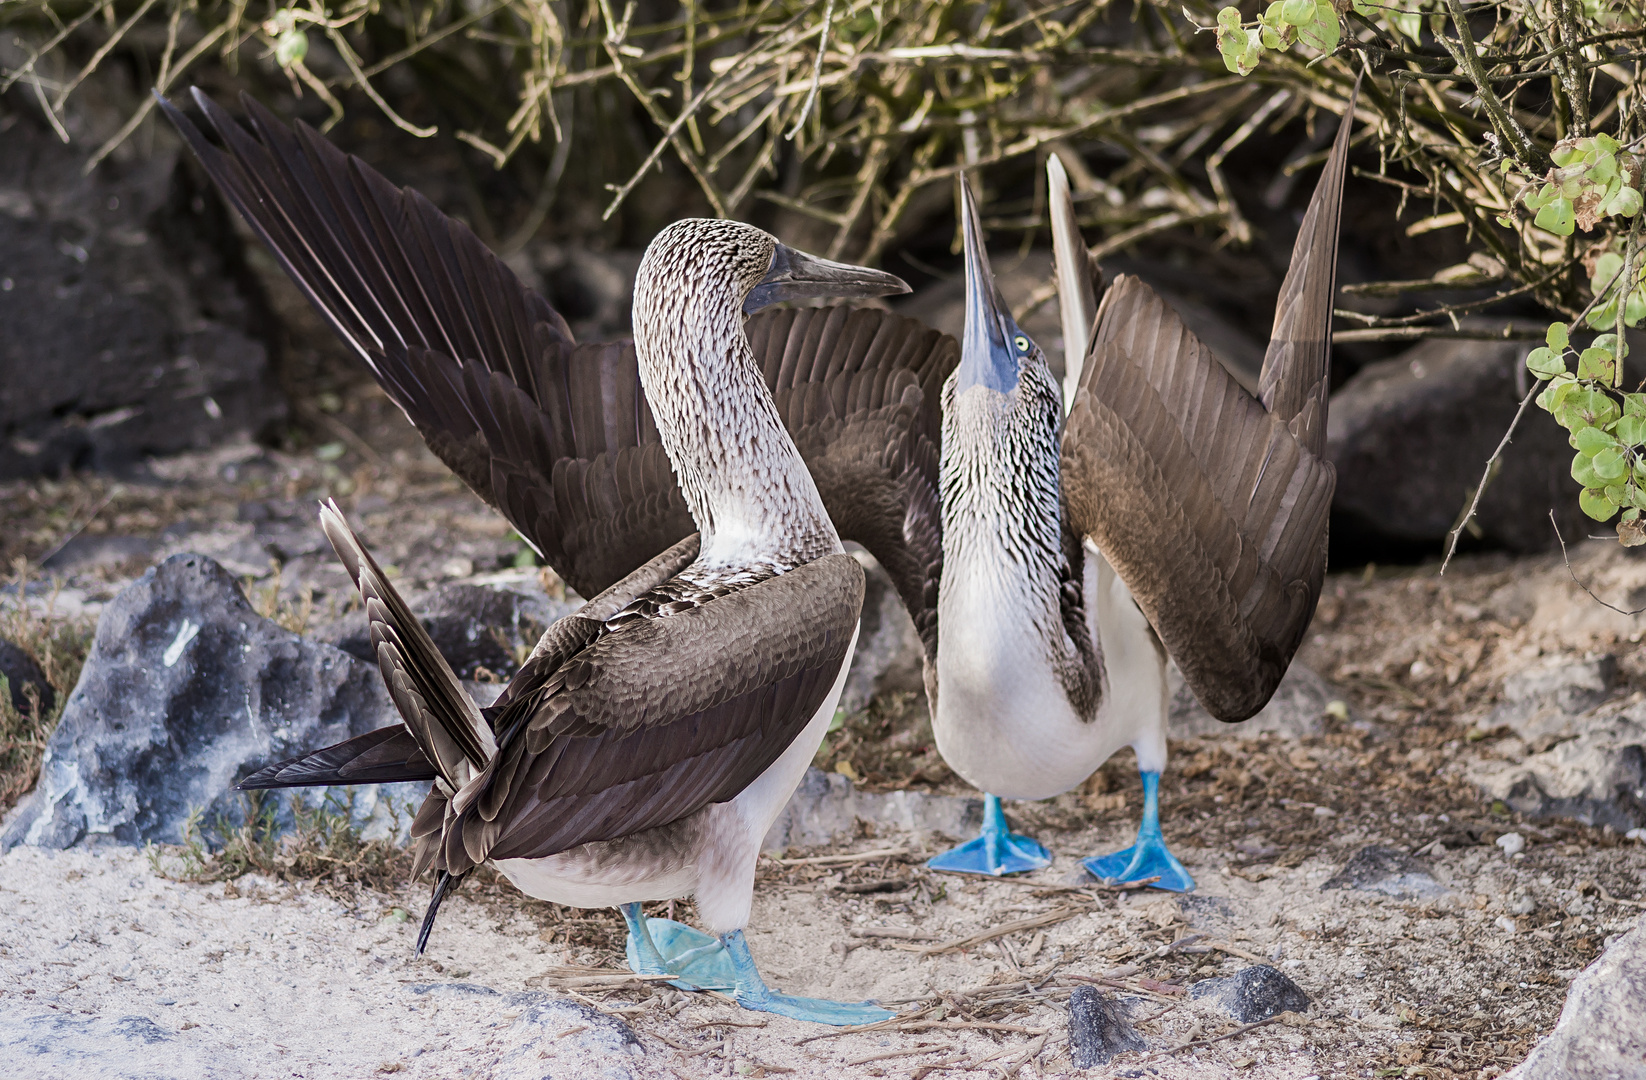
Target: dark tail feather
442 885
386 756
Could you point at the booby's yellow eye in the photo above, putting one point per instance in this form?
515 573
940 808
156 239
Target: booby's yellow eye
1021 342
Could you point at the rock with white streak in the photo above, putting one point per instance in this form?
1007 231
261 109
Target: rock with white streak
1602 1030
186 691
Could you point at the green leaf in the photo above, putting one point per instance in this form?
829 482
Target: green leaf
1608 342
1590 441
1626 203
1409 23
1596 504
1559 335
1607 144
1557 217
1634 405
1630 430
1583 471
1604 315
1545 363
291 47
1634 308
1595 363
1604 170
1506 221
1298 12
1611 463
1537 200
1564 154
1324 32
1607 267
1556 393
1229 17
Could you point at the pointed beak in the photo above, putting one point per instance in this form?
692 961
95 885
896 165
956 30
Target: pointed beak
795 275
987 357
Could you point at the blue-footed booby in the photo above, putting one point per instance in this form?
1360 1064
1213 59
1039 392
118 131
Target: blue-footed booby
650 739
1169 513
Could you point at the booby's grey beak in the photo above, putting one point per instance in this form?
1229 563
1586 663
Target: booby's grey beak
991 343
795 275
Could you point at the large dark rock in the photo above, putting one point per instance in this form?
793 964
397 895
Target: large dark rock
1098 1028
131 327
21 672
187 691
1411 436
1252 994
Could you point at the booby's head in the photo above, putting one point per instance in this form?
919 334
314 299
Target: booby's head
994 350
706 261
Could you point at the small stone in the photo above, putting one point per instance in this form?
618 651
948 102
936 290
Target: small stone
1512 843
1506 924
1252 994
1387 871
1098 1028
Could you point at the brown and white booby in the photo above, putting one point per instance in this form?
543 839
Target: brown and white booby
1170 513
650 739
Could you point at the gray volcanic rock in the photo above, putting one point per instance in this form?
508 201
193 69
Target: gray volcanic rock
1252 994
1545 699
1410 437
827 806
1297 708
889 658
132 327
466 622
1389 872
1098 1028
1597 777
1602 1029
186 691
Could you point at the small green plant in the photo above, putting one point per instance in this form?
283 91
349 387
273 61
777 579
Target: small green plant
1591 179
1283 24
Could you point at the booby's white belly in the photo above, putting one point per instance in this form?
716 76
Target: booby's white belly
710 855
1004 721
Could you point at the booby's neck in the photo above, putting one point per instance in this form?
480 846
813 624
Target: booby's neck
1003 557
747 486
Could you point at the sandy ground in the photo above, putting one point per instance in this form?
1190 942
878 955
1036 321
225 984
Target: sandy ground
108 966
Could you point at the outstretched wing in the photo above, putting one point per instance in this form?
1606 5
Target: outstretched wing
553 434
1211 505
558 436
860 391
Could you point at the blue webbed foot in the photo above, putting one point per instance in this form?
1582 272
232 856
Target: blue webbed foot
1147 858
666 947
996 852
753 993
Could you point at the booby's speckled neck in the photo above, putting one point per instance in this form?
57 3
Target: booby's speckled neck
745 482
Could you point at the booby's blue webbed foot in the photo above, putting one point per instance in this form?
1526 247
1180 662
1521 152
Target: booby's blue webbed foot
1148 857
753 993
996 852
666 947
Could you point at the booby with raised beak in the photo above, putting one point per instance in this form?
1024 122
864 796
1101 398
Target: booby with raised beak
1170 513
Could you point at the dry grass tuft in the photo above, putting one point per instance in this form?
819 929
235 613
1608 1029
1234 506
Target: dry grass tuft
324 847
59 646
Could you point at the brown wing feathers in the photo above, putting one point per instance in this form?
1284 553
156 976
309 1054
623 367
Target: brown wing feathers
1296 375
1211 506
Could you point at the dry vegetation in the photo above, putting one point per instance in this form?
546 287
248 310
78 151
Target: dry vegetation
58 645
